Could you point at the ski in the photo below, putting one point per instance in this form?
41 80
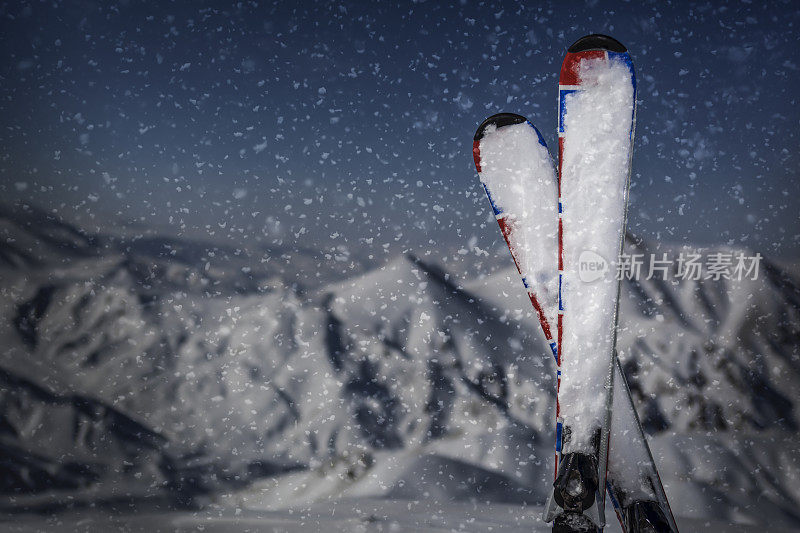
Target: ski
511 181
597 96
517 174
634 485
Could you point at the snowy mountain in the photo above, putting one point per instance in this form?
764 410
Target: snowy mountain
167 368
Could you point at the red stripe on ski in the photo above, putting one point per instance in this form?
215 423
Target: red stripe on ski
560 207
542 319
476 154
570 66
560 162
507 229
560 333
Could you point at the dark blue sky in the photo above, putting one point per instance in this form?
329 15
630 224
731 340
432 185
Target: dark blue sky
350 124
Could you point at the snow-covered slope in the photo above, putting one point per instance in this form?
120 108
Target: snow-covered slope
182 369
368 515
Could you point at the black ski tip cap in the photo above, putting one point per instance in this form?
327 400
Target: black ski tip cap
499 120
597 41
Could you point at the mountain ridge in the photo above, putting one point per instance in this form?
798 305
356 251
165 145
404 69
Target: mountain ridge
128 372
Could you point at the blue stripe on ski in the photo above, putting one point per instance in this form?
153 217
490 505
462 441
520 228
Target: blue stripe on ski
560 301
624 57
558 437
555 352
495 208
538 134
562 107
610 490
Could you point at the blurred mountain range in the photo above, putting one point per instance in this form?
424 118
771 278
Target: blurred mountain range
153 367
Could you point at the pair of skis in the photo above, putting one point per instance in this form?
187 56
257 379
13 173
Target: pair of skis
565 233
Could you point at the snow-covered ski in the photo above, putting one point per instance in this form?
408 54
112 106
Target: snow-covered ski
517 174
597 100
522 188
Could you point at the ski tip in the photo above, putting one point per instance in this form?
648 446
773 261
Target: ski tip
597 41
499 120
